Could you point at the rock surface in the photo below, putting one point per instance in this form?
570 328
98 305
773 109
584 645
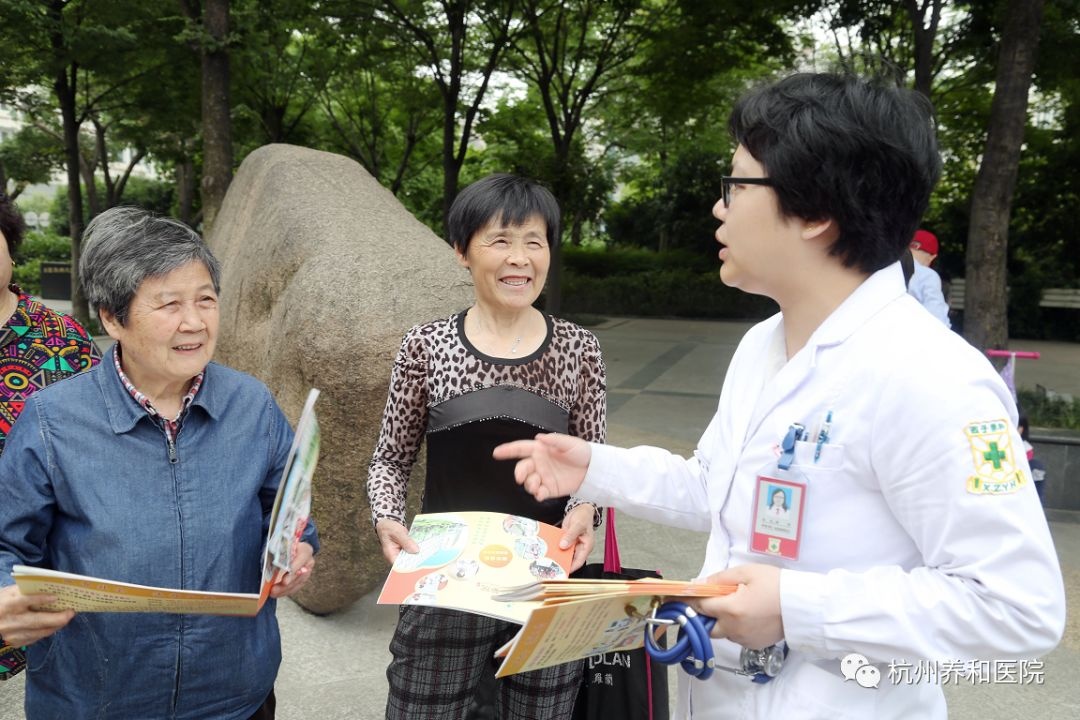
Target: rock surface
323 271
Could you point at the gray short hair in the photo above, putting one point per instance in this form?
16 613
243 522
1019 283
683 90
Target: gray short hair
125 245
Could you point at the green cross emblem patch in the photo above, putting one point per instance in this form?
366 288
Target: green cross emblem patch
996 472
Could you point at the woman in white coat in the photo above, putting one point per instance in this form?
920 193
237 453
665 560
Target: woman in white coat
914 537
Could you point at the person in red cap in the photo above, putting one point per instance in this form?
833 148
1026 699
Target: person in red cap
924 247
925 284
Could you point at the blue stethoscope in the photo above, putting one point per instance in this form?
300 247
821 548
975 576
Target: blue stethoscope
693 647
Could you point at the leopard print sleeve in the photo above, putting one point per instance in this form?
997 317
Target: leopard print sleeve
588 416
403 426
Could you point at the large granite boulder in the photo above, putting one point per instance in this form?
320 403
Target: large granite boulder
323 271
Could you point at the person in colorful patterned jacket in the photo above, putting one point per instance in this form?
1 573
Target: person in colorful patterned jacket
498 371
38 346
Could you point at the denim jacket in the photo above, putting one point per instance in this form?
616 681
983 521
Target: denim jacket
88 486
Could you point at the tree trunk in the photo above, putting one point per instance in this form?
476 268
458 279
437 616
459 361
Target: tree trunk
451 169
65 97
216 120
89 184
985 297
923 32
185 189
103 157
553 288
273 121
561 188
118 187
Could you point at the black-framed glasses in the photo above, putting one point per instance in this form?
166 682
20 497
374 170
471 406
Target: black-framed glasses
727 181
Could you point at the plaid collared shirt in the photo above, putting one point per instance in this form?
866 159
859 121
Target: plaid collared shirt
171 427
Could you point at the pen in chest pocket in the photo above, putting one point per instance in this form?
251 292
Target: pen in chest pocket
823 436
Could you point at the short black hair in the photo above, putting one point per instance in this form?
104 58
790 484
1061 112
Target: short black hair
11 223
512 199
859 150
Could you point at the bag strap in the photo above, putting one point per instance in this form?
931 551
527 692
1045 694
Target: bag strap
612 563
648 683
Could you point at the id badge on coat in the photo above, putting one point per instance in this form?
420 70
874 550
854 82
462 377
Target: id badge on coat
777 517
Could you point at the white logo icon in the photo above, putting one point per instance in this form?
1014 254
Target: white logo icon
868 676
851 663
855 666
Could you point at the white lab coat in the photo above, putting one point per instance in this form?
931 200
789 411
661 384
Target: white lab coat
925 286
899 561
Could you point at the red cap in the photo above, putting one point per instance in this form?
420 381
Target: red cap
926 241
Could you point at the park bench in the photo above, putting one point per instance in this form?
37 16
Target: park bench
1051 297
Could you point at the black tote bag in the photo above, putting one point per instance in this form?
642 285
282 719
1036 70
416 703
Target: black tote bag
627 684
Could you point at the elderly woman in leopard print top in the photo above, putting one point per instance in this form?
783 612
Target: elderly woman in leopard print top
498 371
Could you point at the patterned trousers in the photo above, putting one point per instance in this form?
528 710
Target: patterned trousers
440 657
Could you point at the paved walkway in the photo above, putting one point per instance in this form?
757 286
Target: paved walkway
664 377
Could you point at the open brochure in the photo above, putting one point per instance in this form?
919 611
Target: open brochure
577 619
466 558
510 567
289 517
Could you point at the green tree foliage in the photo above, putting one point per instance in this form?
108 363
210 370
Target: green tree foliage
671 123
620 107
379 110
283 56
29 157
1041 250
459 44
677 212
574 54
86 54
516 139
157 196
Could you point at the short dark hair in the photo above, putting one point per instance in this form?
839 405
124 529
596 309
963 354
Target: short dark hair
861 151
11 223
511 199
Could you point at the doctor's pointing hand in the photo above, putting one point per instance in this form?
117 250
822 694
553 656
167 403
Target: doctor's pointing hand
553 465
550 466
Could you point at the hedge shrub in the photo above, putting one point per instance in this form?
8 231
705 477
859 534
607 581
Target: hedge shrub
603 262
662 293
36 247
637 281
1052 412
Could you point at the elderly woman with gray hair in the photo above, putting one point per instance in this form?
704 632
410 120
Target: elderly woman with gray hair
157 467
